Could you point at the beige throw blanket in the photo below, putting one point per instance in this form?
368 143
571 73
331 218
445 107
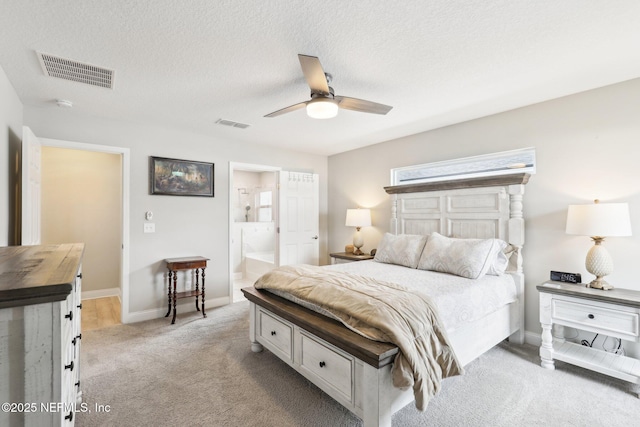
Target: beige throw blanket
383 312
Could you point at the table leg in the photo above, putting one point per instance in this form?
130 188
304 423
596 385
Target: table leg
197 307
175 285
169 294
203 313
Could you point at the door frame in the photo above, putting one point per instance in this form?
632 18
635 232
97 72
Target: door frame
248 167
126 178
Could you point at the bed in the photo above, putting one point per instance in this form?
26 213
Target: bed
357 371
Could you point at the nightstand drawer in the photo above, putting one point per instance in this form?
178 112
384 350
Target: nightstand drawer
616 323
333 368
276 333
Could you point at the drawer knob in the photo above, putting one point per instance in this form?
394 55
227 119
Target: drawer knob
69 316
79 306
322 364
591 316
69 366
70 416
273 333
77 384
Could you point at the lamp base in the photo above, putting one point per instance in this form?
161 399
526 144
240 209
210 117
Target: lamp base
599 283
357 251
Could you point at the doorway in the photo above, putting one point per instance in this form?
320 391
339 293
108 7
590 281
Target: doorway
253 210
119 184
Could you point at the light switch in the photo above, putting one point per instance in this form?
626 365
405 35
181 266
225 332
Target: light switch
149 227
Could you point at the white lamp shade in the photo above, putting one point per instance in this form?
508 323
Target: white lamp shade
358 218
322 108
599 219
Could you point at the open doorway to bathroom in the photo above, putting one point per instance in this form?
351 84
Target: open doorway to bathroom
253 213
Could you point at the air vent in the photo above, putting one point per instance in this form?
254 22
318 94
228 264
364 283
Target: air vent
67 69
231 123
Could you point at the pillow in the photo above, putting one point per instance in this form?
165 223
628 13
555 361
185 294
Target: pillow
470 258
499 264
401 249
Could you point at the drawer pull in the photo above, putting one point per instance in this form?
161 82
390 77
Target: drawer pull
77 384
79 306
273 333
69 366
322 364
591 316
79 276
70 416
69 316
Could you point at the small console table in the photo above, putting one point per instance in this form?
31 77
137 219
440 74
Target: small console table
196 263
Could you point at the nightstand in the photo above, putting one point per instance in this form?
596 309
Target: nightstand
615 313
342 257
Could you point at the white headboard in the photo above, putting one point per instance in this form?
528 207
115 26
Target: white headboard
468 208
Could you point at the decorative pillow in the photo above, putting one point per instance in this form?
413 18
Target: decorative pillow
401 249
499 264
470 258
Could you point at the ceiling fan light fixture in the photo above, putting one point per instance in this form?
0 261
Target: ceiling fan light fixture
322 108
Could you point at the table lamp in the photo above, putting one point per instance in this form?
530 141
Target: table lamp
599 220
358 218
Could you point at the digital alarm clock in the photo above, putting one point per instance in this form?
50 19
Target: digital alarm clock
561 276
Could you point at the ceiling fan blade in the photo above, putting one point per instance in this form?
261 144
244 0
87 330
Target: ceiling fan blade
361 105
313 72
288 109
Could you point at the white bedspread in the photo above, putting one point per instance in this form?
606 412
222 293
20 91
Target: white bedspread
458 300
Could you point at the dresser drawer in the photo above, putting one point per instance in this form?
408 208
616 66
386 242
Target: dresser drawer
617 323
332 367
276 334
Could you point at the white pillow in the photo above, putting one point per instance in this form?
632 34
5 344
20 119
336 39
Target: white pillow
401 249
470 258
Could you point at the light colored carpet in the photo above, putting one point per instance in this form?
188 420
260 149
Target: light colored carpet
201 372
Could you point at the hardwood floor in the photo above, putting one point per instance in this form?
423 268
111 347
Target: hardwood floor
100 313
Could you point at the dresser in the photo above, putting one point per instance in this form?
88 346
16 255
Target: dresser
614 313
40 310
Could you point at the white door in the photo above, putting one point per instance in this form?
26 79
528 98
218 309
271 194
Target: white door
31 187
299 218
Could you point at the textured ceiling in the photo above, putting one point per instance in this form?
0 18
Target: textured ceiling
186 64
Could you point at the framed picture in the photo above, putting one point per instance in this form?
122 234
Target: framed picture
174 177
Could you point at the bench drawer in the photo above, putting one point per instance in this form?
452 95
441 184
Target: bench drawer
328 364
276 333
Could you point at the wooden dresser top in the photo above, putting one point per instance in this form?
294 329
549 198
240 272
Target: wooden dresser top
38 274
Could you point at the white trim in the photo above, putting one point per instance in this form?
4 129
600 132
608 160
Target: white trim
532 338
126 184
102 293
237 276
243 167
157 313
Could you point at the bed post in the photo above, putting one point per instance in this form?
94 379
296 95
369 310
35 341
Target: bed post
393 227
516 239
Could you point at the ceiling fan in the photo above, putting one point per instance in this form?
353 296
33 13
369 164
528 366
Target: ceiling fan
324 103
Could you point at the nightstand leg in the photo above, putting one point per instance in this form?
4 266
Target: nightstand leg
197 306
203 313
169 294
546 349
175 286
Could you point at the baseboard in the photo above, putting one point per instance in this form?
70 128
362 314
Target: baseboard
532 338
101 293
185 306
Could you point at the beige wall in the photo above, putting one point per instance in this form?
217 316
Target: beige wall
587 147
10 140
82 202
185 226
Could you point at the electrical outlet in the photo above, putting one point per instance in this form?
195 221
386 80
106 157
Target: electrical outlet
149 227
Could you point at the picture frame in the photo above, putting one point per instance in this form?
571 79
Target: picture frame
176 177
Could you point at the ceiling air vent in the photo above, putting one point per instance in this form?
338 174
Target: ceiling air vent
231 123
68 69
